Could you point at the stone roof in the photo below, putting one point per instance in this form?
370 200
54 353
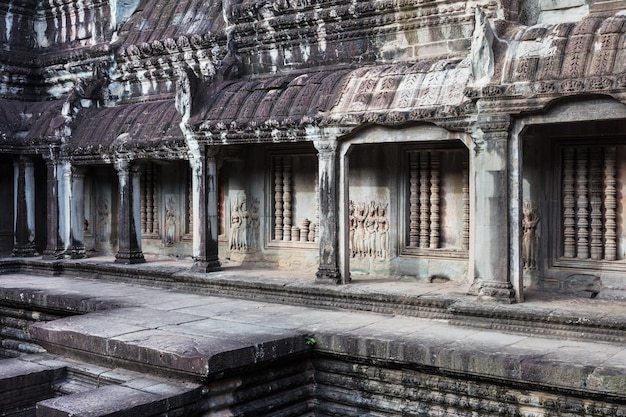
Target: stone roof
137 127
563 59
25 123
385 94
162 20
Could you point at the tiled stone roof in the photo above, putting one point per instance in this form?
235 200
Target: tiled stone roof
159 20
387 94
29 122
136 127
563 59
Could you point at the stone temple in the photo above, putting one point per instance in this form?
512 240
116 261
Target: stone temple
476 143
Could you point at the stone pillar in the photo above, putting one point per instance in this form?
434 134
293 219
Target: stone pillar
128 236
490 210
204 187
55 245
24 207
328 270
78 213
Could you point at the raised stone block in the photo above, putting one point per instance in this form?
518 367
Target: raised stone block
560 4
23 383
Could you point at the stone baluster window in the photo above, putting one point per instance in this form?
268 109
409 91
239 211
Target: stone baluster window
589 203
424 199
437 201
295 194
149 201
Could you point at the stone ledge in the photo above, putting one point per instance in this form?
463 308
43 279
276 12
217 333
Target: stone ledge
23 383
547 372
121 401
112 341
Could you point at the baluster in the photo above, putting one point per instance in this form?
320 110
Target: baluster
582 205
569 202
465 235
155 200
424 200
414 227
287 198
149 198
595 178
610 204
435 161
142 199
190 205
278 199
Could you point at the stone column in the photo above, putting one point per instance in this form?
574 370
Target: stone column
491 241
24 207
129 216
78 213
55 245
328 270
204 187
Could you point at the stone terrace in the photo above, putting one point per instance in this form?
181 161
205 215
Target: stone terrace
147 324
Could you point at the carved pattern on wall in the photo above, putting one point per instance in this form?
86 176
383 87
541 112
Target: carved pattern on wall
589 203
530 220
369 230
244 225
149 201
424 196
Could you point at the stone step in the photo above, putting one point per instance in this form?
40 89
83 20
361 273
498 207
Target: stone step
165 343
23 383
161 399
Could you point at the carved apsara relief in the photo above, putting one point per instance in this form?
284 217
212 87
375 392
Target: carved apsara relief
369 230
244 225
171 215
529 236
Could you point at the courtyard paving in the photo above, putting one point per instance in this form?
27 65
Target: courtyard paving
191 336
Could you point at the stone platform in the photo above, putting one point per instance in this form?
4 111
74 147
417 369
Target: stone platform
238 321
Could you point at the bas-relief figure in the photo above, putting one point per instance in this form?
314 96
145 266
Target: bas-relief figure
529 236
244 225
170 221
103 227
369 230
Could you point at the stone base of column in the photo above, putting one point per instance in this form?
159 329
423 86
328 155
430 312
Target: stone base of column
26 251
78 252
131 257
206 266
328 275
54 254
495 290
